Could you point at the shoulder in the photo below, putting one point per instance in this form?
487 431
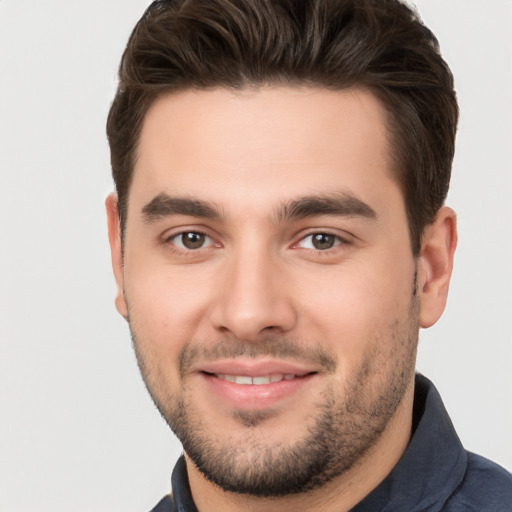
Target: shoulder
486 487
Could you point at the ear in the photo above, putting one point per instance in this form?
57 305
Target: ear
116 251
435 264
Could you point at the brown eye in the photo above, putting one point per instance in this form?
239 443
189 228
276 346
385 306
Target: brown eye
320 241
323 241
191 240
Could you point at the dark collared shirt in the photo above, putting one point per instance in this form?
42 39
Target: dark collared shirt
435 473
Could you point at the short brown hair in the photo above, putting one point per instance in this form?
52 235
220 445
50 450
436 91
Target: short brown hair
381 45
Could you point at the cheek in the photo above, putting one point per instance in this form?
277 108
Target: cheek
354 307
161 323
166 306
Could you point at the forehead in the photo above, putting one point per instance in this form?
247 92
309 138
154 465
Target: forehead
270 143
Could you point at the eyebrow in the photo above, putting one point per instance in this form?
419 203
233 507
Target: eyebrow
337 204
164 205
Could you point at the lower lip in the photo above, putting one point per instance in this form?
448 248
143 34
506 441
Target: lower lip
255 396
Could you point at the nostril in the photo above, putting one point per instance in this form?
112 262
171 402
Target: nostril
245 318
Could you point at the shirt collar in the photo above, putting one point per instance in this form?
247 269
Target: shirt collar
431 468
181 488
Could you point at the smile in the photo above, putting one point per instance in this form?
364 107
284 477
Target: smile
256 386
259 380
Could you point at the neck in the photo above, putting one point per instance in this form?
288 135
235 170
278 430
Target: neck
340 494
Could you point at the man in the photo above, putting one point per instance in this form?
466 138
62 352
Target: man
278 238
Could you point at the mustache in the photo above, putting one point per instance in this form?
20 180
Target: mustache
271 347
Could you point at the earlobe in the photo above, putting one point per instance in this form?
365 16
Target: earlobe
435 264
116 251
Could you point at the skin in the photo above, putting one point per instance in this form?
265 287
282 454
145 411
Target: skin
349 314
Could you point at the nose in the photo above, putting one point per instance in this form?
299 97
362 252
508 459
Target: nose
254 298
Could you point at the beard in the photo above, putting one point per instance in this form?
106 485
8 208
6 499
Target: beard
345 423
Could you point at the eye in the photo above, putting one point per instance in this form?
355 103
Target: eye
191 240
319 241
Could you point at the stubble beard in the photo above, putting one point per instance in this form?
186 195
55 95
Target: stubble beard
346 425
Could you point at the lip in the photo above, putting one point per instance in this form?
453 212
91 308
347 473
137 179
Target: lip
255 397
255 367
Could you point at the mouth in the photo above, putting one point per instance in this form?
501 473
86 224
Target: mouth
250 386
258 380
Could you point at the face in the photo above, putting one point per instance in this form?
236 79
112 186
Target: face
269 282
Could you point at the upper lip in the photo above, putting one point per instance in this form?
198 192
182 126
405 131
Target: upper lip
255 367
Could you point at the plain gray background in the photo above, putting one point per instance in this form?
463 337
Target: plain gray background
77 429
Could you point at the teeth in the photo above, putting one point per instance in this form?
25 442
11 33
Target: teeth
260 380
243 379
